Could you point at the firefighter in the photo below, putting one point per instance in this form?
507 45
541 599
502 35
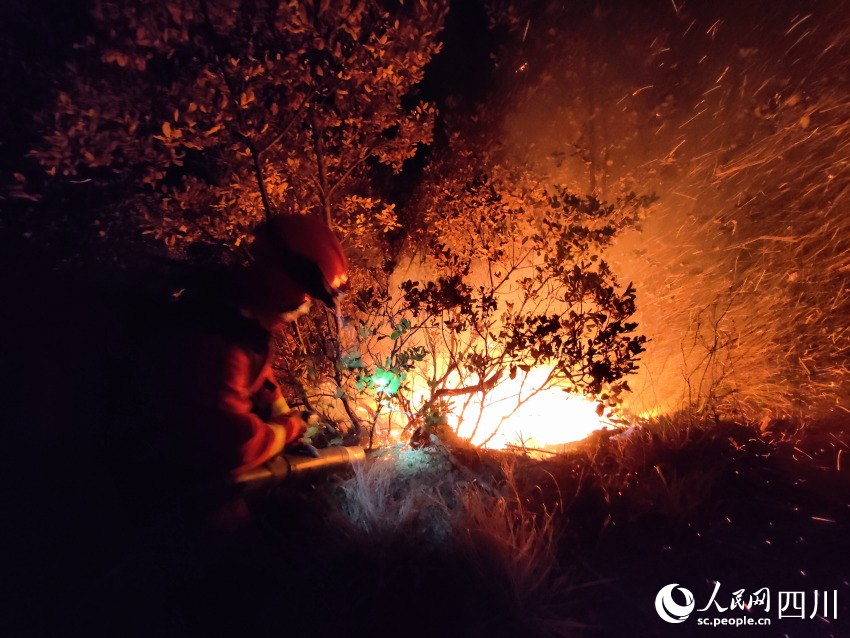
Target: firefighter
220 391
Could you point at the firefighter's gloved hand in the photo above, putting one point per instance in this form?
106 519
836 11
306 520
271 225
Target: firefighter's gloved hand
293 423
303 446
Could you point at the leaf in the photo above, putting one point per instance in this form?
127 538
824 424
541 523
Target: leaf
166 130
352 360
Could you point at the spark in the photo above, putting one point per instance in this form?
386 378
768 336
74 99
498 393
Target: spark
798 40
693 118
713 29
798 23
803 453
673 152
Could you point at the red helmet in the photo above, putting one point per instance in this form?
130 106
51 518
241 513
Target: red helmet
305 249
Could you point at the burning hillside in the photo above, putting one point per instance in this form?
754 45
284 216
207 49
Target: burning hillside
447 317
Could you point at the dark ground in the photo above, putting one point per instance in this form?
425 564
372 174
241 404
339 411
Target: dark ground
101 546
768 517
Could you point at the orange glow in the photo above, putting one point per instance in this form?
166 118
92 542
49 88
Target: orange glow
546 418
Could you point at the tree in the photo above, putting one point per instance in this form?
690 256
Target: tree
509 278
203 116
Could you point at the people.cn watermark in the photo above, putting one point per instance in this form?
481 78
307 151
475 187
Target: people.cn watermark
675 604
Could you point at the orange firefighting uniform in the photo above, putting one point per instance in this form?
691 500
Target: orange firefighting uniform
222 401
221 393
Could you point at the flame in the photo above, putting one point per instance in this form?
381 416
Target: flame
517 413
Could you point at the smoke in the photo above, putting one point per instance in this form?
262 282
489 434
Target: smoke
735 115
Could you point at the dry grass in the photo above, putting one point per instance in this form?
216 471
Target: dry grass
515 552
506 553
400 492
510 531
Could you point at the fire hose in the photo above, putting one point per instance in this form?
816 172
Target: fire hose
286 467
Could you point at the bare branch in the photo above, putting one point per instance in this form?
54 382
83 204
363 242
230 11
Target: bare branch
483 386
